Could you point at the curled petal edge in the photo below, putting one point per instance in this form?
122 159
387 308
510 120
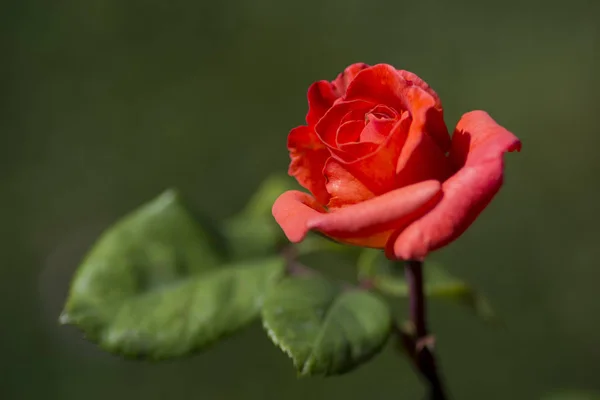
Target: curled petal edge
466 194
298 212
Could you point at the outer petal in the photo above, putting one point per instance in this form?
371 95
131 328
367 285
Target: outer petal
421 158
478 138
308 157
343 79
292 210
479 143
361 224
321 96
414 79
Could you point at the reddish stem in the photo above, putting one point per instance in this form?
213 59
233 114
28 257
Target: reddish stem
419 343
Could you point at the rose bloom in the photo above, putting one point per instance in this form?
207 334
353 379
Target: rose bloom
382 169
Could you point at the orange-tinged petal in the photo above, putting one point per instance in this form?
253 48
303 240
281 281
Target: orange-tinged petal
379 84
413 78
308 156
361 223
344 188
372 216
421 157
478 137
345 77
292 211
466 193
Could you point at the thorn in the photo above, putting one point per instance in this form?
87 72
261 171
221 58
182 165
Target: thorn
426 342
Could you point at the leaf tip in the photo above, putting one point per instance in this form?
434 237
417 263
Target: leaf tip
169 195
64 318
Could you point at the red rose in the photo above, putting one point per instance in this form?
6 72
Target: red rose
383 170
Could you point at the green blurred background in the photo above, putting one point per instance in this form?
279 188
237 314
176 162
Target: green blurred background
105 103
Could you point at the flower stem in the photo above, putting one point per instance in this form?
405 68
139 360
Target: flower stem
418 343
414 279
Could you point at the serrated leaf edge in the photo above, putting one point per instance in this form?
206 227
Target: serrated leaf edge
304 369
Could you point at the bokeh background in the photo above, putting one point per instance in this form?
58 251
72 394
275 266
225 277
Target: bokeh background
105 103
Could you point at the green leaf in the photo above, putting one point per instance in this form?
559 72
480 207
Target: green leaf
271 188
388 277
324 328
251 236
153 287
253 232
191 314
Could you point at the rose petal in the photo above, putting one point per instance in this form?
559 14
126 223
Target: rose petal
383 111
478 137
421 158
308 156
343 187
352 152
327 126
379 84
359 224
377 129
466 193
353 115
343 79
377 168
383 84
349 132
321 96
416 80
372 128
292 210
369 140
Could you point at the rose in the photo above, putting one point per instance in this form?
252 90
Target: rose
383 170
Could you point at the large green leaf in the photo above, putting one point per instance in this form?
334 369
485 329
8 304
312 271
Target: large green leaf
324 328
153 287
388 277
